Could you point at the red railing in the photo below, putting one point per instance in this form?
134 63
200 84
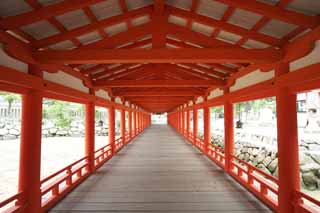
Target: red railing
12 204
260 183
216 154
119 143
102 155
305 204
55 186
199 144
127 138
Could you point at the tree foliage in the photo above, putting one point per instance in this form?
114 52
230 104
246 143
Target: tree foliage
10 98
57 111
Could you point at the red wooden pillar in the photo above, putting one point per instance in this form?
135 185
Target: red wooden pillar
288 149
228 132
123 125
89 135
30 151
138 121
178 121
182 121
130 123
195 125
188 123
206 128
134 123
112 128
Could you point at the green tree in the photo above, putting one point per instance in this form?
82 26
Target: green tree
10 98
57 111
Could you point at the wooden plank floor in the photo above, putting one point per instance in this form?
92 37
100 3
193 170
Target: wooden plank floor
159 172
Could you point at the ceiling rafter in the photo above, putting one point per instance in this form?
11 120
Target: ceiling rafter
91 27
124 8
273 12
181 55
225 26
159 20
94 19
163 92
43 13
263 21
157 83
194 6
133 34
36 5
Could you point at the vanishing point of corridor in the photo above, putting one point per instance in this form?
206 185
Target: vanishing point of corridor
159 172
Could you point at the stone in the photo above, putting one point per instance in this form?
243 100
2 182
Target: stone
276 172
310 181
14 132
62 132
267 161
255 152
314 147
260 157
273 165
246 157
315 156
53 131
241 156
263 168
3 132
304 159
311 167
45 132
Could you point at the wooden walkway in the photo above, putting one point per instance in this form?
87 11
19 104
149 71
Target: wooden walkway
159 172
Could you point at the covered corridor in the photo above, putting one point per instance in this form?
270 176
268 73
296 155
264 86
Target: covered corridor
159 171
200 63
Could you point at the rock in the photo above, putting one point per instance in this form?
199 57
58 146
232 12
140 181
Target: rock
304 159
255 152
315 156
14 132
310 181
53 131
263 168
267 161
251 158
62 132
276 172
45 132
3 132
314 147
241 156
246 157
273 165
311 167
260 157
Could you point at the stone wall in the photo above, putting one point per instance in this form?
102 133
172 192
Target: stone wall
266 159
10 130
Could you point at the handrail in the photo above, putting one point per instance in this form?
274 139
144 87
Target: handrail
260 183
70 176
14 206
102 155
311 206
216 154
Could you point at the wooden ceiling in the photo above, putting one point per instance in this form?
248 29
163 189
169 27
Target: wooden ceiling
156 54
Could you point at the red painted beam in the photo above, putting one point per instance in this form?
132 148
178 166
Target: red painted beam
91 27
158 83
273 12
196 55
225 26
164 93
50 11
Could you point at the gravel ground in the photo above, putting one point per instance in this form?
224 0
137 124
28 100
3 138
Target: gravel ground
57 153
